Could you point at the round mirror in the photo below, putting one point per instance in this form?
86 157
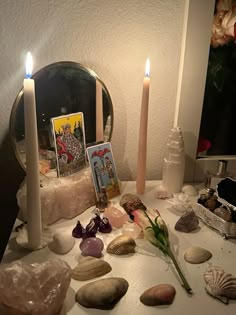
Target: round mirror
61 88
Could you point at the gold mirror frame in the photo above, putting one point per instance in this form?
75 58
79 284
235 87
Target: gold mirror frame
79 93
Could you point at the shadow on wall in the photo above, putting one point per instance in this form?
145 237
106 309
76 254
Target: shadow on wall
11 176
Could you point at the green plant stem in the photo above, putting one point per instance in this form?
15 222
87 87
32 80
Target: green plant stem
185 283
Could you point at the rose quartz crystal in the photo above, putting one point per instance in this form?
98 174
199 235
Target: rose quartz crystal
34 289
132 229
115 216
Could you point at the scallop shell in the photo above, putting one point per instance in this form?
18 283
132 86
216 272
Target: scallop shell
220 284
102 294
121 245
197 255
90 268
62 242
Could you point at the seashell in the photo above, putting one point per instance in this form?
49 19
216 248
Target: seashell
197 255
220 284
162 194
189 190
161 294
121 245
187 222
89 268
102 294
62 242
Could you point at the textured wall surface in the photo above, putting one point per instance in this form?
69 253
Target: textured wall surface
114 39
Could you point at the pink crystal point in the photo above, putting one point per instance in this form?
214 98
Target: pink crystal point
116 217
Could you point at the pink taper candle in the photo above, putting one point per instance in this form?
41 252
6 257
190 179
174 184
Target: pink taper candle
142 146
32 160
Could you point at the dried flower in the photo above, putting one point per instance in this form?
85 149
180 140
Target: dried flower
223 27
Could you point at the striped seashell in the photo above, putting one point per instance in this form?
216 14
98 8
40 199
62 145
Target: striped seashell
121 245
220 284
90 268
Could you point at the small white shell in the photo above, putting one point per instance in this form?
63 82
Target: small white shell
197 255
121 245
89 268
189 190
62 242
219 284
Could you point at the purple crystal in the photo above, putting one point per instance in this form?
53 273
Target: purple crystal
78 231
105 226
91 228
97 219
92 246
88 234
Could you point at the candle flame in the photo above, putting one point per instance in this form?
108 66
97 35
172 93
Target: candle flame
147 68
29 65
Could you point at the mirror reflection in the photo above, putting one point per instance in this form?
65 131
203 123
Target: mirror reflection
60 89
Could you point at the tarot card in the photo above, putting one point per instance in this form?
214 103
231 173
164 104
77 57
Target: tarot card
103 169
69 140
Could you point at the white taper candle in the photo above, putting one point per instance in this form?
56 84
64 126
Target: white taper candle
32 160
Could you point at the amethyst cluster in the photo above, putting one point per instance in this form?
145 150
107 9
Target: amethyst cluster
96 224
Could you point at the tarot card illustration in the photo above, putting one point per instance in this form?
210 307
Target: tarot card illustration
69 140
103 170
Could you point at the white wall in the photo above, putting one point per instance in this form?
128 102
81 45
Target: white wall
114 39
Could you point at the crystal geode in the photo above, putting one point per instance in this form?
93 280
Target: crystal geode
34 289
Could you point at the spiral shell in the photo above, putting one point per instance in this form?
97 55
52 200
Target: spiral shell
220 284
90 268
121 245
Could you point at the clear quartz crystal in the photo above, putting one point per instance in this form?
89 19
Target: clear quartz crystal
174 162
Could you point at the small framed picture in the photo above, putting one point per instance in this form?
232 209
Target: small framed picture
69 140
103 170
